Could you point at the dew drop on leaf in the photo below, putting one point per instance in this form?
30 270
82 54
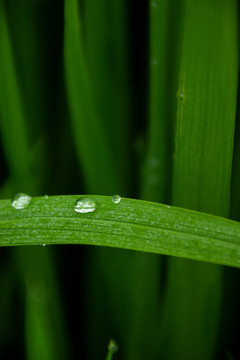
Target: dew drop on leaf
21 201
116 199
85 205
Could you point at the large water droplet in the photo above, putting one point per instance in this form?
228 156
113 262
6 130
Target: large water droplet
116 199
21 201
85 205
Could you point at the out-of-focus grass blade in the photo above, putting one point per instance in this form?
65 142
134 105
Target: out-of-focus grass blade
235 188
29 58
6 313
44 341
94 152
112 348
106 45
202 168
12 115
17 141
131 224
155 171
144 277
97 76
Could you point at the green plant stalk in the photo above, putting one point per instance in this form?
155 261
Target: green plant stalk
156 169
6 313
106 52
96 57
131 224
235 189
89 136
17 141
29 55
112 348
202 168
144 278
12 115
43 308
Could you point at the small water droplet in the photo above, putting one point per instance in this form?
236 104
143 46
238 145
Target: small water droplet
21 201
46 197
85 205
169 207
116 199
42 245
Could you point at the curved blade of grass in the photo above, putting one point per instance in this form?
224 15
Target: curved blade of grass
131 224
202 168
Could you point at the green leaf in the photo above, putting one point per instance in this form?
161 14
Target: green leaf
45 330
131 224
202 166
89 135
12 113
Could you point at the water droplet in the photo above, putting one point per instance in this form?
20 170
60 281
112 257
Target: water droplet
21 201
116 199
169 207
85 205
42 245
46 197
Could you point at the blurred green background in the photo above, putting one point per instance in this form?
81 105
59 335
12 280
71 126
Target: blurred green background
137 98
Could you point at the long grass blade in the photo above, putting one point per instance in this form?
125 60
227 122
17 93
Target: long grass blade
145 275
90 139
44 328
131 224
18 139
12 114
207 96
96 67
